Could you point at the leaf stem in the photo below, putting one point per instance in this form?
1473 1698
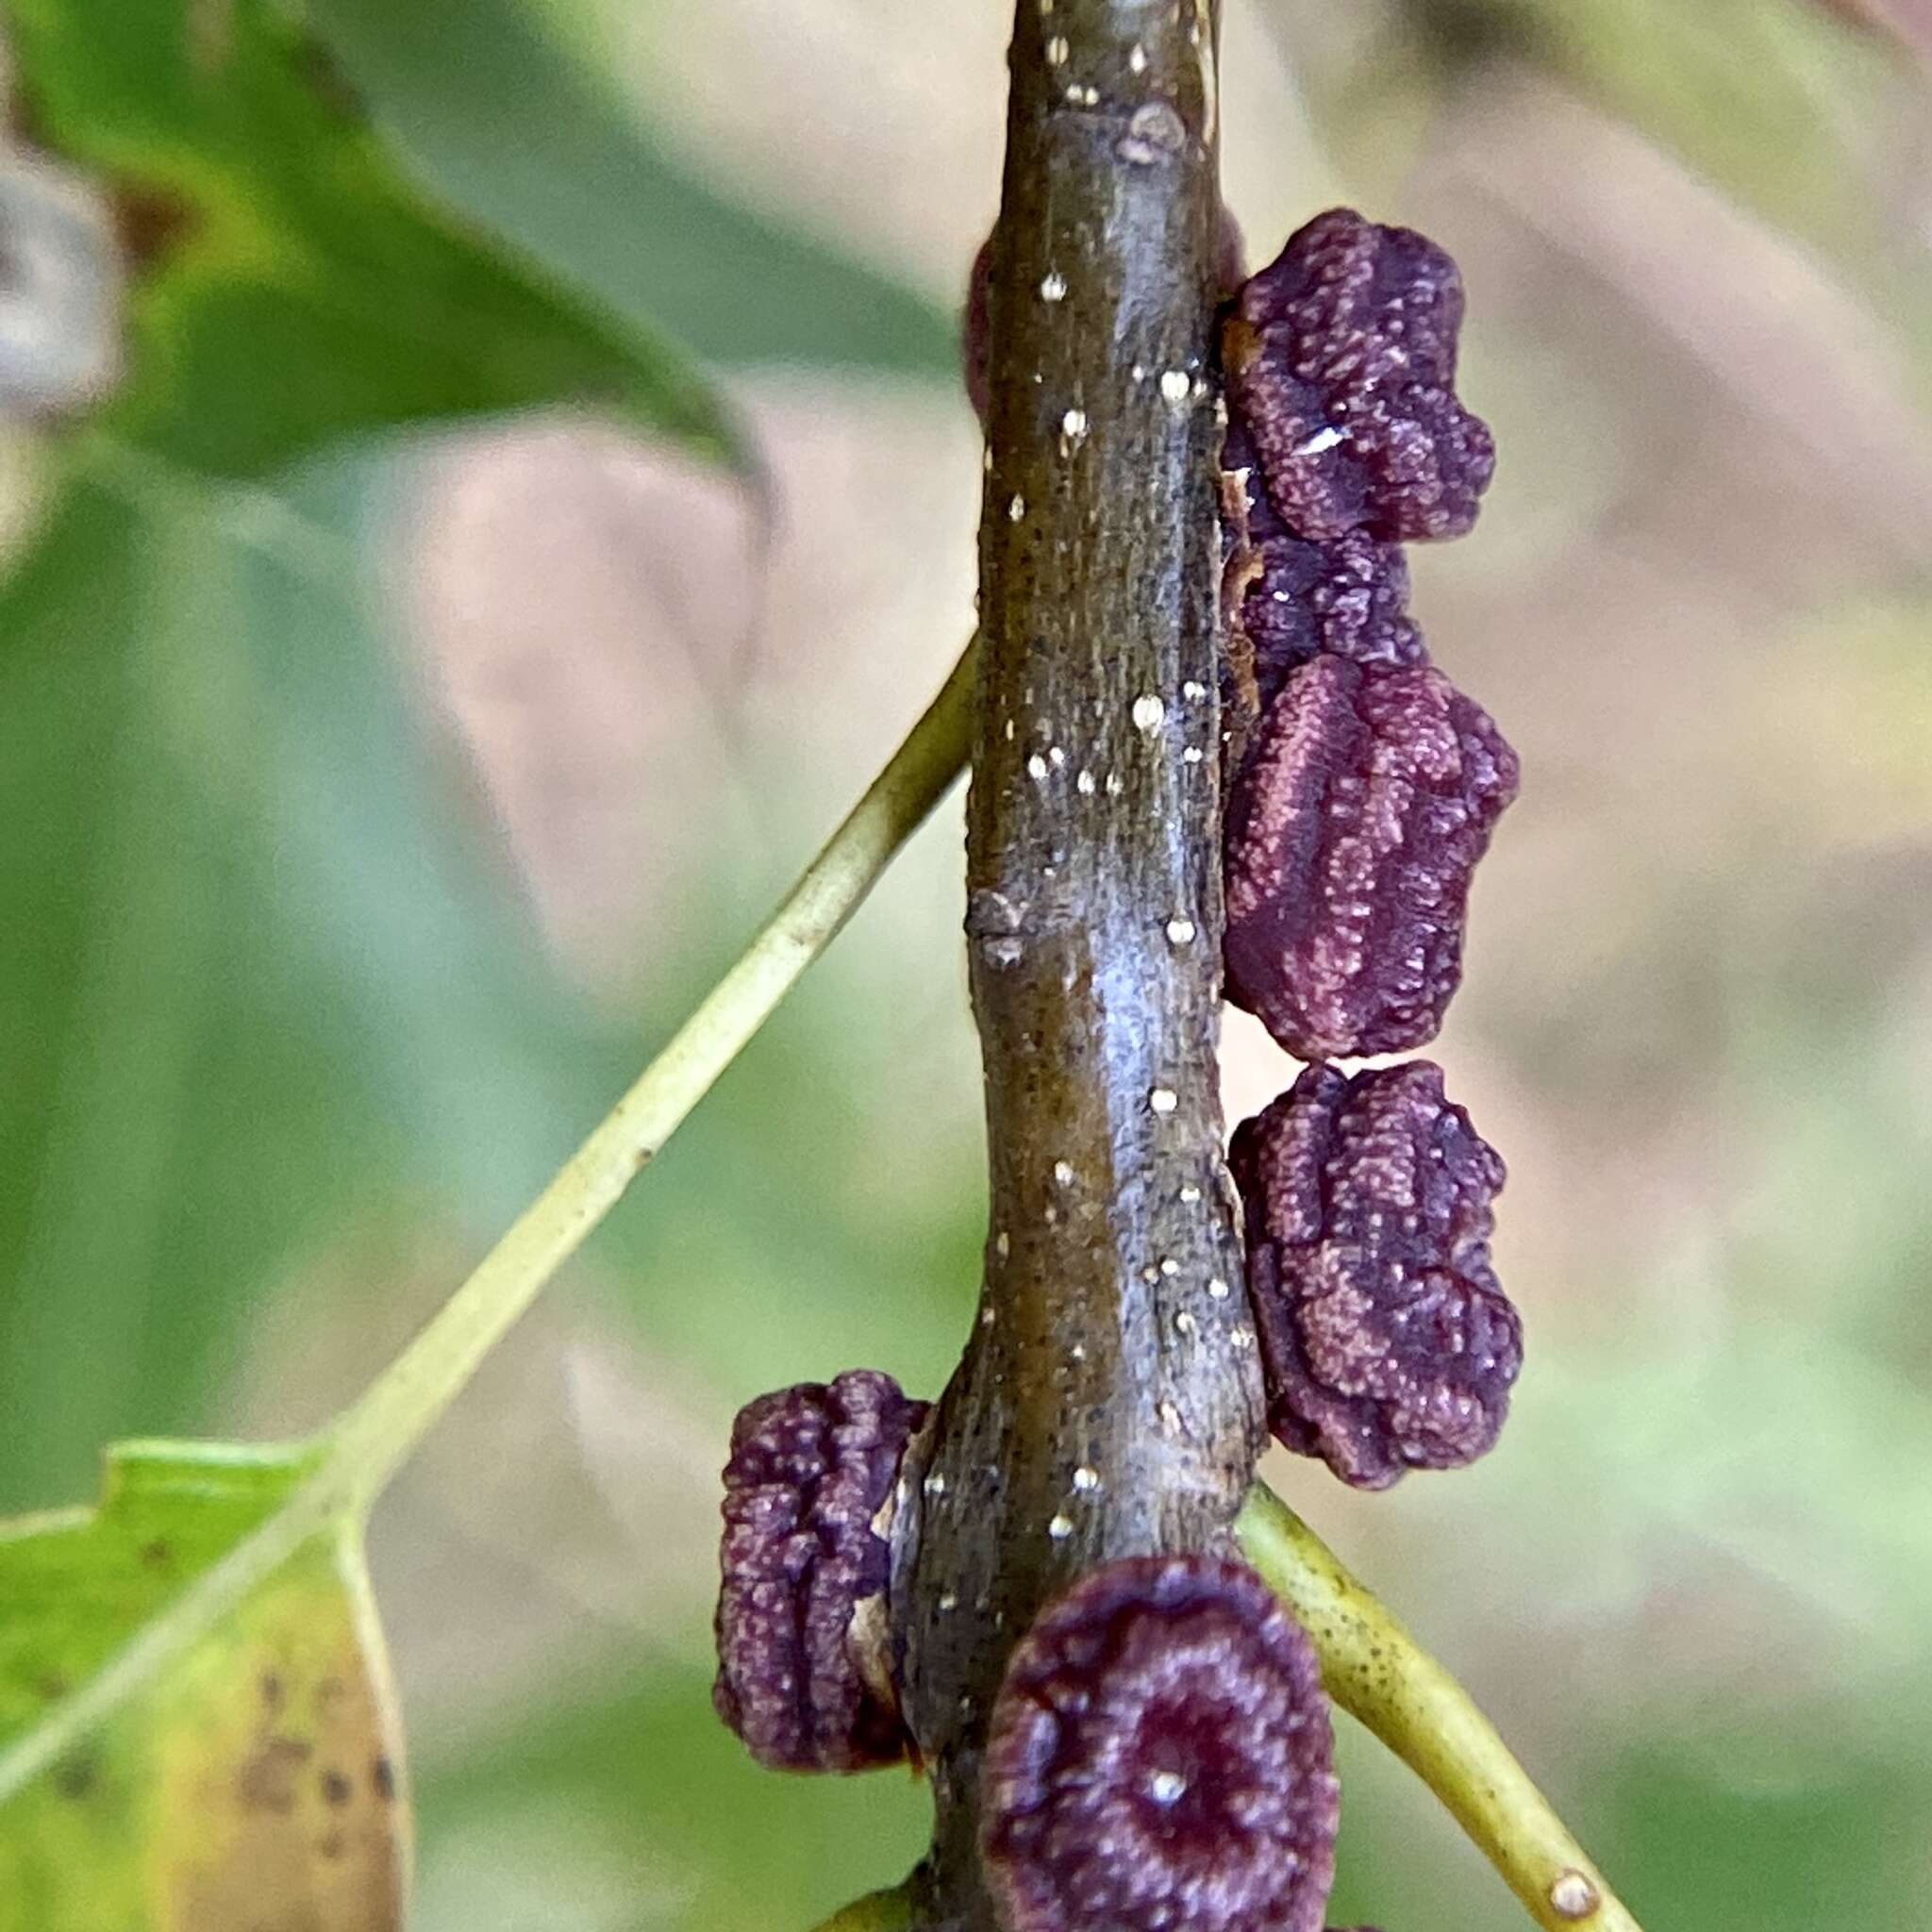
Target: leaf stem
1381 1675
391 1417
362 1449
878 1911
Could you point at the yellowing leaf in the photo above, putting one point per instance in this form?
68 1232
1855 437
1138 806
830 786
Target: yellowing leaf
255 1779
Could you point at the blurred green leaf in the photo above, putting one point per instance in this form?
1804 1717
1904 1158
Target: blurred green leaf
255 1778
501 113
1830 1837
774 1247
1772 99
237 894
1824 1844
290 285
626 1841
266 983
1784 106
154 1159
256 982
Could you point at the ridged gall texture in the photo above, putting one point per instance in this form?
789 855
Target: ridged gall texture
810 1469
1341 361
1386 1342
1353 826
1159 1759
1294 599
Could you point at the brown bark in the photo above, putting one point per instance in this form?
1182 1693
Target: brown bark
1108 1400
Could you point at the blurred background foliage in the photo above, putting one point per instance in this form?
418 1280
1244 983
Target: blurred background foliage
498 483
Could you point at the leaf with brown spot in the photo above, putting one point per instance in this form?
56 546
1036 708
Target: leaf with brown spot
254 1779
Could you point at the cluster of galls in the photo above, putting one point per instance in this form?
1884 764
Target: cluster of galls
1362 787
1158 1758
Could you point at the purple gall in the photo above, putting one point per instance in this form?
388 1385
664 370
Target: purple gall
1386 1342
1159 1760
1353 826
799 1677
1340 363
1286 599
976 333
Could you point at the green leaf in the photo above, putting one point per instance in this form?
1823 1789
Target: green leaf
498 112
253 1780
221 703
257 983
293 286
131 995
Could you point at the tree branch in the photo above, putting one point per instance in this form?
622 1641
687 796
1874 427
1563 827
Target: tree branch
1108 1401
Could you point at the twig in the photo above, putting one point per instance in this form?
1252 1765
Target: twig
1108 1400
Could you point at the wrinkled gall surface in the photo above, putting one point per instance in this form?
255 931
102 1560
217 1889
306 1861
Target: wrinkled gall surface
1341 361
810 1469
1159 1759
1387 1343
1353 826
1292 598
